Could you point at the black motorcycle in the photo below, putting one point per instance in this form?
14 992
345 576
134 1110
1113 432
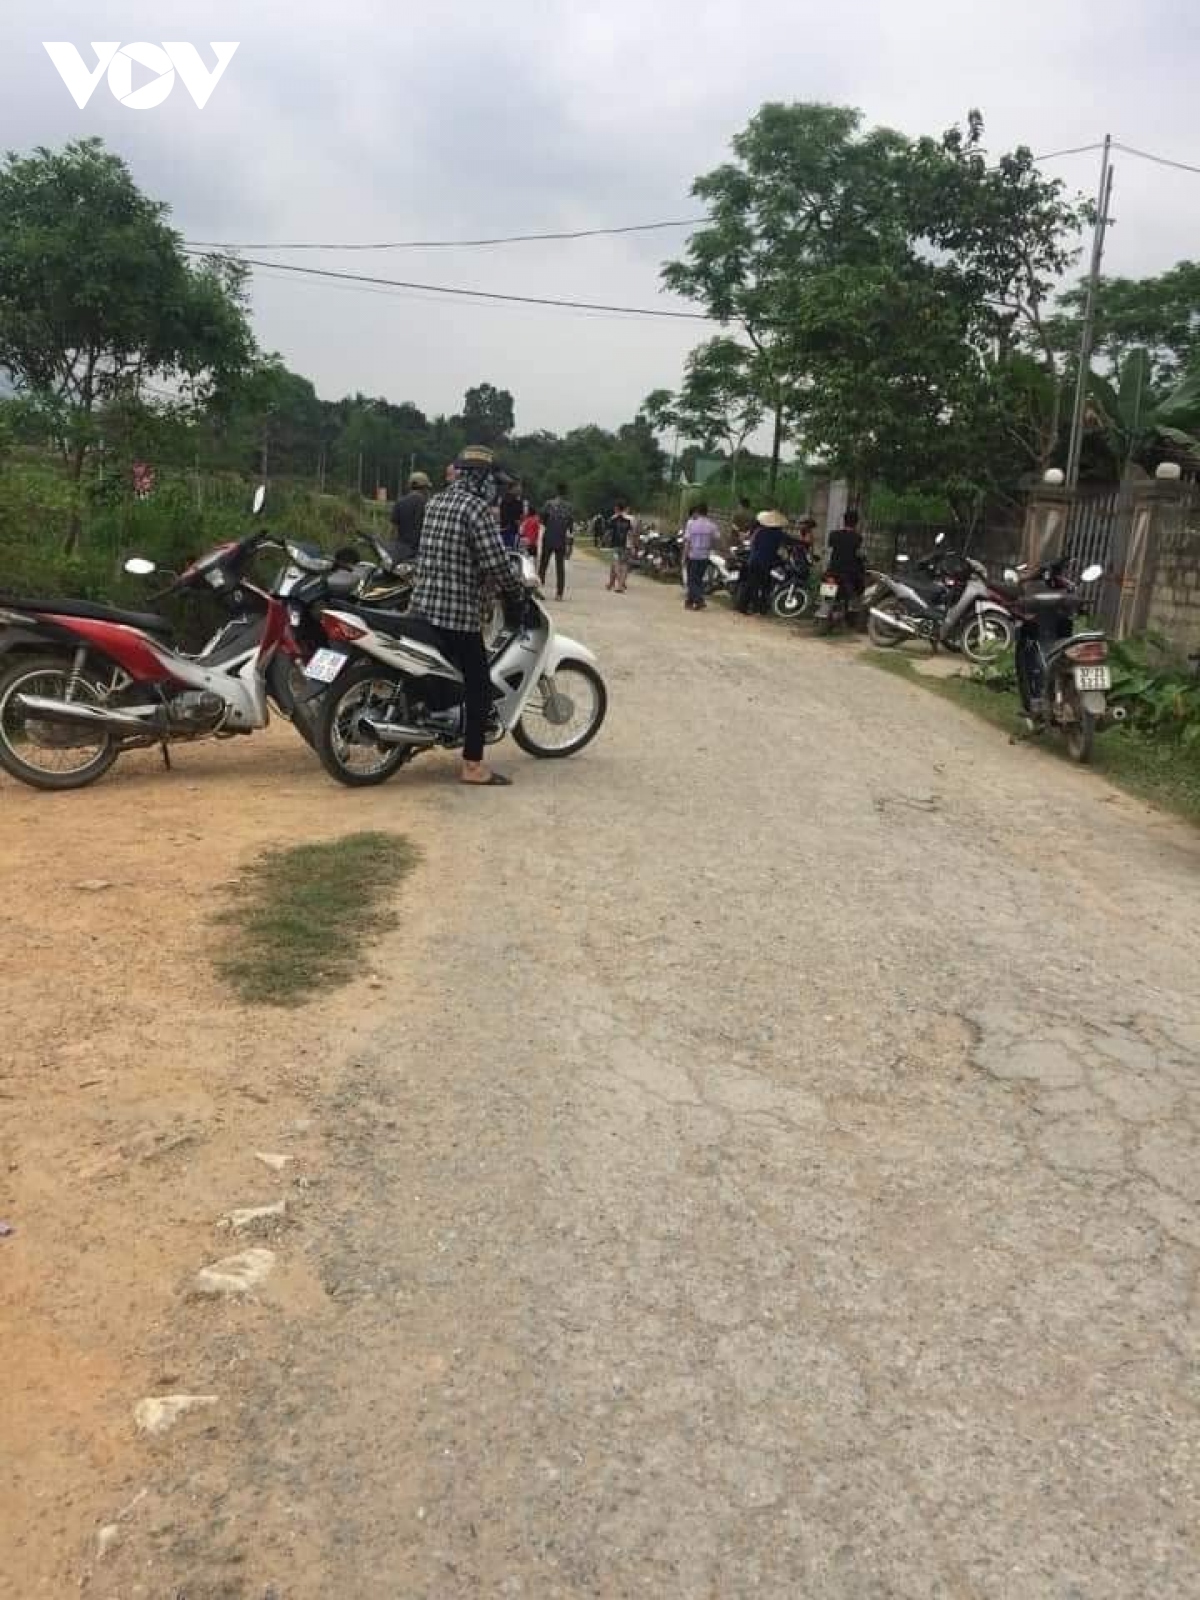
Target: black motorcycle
791 595
1063 677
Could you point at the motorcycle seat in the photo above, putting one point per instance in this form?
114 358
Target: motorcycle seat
398 624
88 611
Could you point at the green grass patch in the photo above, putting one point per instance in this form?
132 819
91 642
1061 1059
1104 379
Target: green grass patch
1161 770
302 917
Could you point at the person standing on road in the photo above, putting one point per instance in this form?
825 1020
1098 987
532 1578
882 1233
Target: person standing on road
461 552
620 533
558 518
408 515
512 507
769 530
845 559
531 532
699 536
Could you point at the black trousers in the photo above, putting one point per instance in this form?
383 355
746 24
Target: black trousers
560 567
467 652
754 589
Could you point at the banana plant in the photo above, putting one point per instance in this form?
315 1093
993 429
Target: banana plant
1144 425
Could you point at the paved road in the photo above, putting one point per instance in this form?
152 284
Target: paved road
778 1178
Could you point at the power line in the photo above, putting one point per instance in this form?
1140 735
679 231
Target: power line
460 244
521 238
1160 161
470 294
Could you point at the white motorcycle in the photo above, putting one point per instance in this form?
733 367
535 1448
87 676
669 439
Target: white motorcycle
388 692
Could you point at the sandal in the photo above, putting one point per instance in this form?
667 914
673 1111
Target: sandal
496 780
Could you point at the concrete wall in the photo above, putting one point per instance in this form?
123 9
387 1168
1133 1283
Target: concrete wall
1174 608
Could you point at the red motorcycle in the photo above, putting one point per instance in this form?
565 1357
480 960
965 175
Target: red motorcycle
88 681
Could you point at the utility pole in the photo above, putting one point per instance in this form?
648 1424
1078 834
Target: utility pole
360 476
1089 316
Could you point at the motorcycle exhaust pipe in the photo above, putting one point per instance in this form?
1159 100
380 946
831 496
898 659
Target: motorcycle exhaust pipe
80 715
397 733
890 619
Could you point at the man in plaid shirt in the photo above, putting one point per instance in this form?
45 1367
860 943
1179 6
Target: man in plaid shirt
461 549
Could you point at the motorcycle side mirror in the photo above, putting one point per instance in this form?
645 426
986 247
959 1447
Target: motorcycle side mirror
140 567
1010 574
1091 574
260 497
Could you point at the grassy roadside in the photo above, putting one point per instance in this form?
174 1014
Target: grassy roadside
302 917
1156 770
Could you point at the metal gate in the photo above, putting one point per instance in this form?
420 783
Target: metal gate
1093 529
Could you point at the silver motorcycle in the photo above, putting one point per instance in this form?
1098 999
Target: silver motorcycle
948 600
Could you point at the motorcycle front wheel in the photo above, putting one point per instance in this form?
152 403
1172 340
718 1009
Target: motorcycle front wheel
347 749
881 635
51 755
564 712
790 602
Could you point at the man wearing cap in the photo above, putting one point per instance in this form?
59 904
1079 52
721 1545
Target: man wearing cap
461 551
408 515
769 530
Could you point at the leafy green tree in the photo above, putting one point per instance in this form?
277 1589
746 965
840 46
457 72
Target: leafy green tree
719 404
97 299
488 415
1141 424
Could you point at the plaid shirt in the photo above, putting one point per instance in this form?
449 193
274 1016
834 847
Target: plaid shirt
460 550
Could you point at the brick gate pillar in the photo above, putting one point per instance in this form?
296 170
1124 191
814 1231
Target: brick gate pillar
1156 516
1046 514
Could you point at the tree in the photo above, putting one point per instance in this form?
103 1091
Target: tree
1159 316
882 283
719 404
488 415
1141 424
97 299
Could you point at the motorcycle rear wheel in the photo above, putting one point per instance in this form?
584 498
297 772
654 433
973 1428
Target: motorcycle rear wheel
49 676
880 634
339 741
985 639
1080 733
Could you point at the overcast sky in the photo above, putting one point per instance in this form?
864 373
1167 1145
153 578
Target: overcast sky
363 120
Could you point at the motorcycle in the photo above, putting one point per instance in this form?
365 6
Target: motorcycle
101 680
662 555
388 692
312 578
1063 677
948 600
790 594
837 603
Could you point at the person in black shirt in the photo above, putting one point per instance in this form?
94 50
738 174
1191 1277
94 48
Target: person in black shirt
620 531
770 529
512 509
408 518
845 559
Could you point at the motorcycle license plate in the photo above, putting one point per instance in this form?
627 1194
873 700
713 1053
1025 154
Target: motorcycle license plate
829 591
325 666
1093 678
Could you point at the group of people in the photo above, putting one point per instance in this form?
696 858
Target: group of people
546 535
764 536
